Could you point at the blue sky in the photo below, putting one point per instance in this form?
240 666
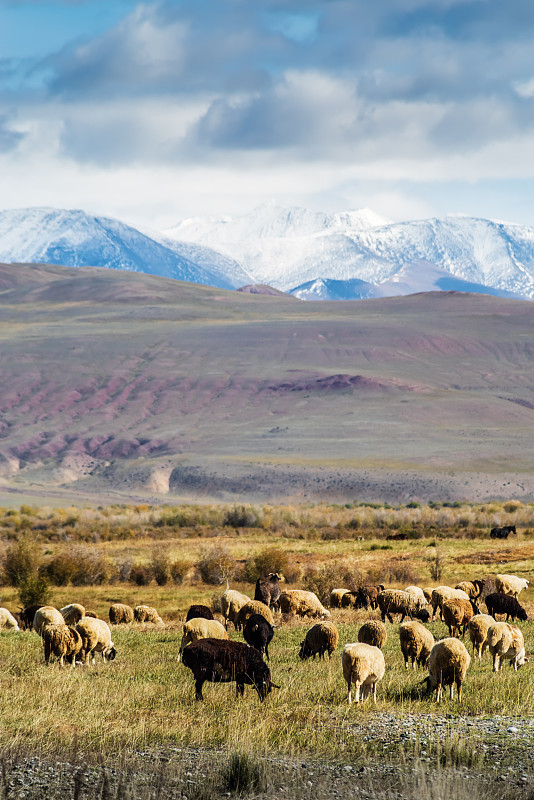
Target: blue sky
155 111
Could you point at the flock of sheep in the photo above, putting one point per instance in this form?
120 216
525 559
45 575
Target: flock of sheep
73 635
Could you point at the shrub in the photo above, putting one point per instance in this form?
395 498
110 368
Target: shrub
60 570
216 565
34 590
160 566
21 562
178 570
322 580
124 568
92 568
242 517
244 774
141 574
272 559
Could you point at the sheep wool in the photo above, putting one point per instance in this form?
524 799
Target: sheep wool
250 608
147 614
397 601
416 643
8 621
321 639
506 641
456 613
510 584
302 603
447 664
47 615
61 641
120 614
231 603
72 613
335 597
200 628
96 638
363 665
478 627
373 632
442 593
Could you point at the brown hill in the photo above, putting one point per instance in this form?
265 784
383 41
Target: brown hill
126 385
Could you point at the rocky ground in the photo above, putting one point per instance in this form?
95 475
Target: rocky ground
423 756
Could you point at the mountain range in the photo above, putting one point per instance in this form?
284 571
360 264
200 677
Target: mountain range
314 256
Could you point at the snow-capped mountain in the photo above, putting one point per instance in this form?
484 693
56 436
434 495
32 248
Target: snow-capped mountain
291 247
74 239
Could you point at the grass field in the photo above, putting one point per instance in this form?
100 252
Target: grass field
143 702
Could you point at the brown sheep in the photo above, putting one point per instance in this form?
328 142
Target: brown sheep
373 632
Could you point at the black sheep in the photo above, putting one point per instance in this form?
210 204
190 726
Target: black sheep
26 616
268 590
258 633
498 603
202 612
222 661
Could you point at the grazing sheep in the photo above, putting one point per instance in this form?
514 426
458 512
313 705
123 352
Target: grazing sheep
200 628
364 597
268 590
473 589
335 597
26 616
231 603
258 633
120 614
253 607
417 592
7 620
416 643
61 641
442 593
478 627
224 661
396 601
147 614
497 603
447 664
305 604
427 591
96 638
46 615
373 632
72 613
199 611
364 666
456 613
510 584
320 640
506 641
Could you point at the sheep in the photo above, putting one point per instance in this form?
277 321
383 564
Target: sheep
224 661
416 643
442 593
478 627
373 632
506 641
447 664
26 616
198 611
253 607
335 597
7 620
305 604
72 613
363 665
63 641
96 638
363 597
473 589
268 590
200 628
510 584
320 640
427 591
231 603
417 592
396 601
46 615
456 613
120 614
505 604
147 614
258 633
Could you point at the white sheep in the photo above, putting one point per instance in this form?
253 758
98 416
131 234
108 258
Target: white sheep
478 627
442 593
7 620
417 592
303 603
231 603
96 638
200 628
363 665
147 614
506 641
397 601
447 664
416 643
47 615
335 597
510 584
72 613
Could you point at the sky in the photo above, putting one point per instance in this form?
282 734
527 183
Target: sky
156 111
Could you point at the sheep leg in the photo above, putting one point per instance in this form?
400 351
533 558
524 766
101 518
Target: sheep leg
199 683
350 692
459 685
439 692
47 653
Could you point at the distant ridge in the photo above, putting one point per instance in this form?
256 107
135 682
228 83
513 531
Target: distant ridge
261 288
